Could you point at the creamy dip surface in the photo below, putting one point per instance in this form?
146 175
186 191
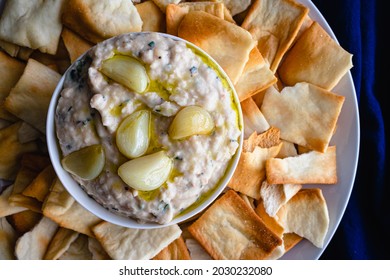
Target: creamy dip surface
91 107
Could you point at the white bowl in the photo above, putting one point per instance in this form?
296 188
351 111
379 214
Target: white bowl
91 205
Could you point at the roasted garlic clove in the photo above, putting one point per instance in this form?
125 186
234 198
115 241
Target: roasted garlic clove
133 134
148 172
86 163
190 121
127 71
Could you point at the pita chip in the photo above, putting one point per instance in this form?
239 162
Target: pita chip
134 244
309 168
275 196
78 250
75 45
6 208
152 17
288 150
229 44
305 114
24 221
290 240
97 250
33 244
7 240
28 133
163 4
10 71
267 139
230 229
275 227
196 250
11 151
34 24
29 99
96 21
274 24
177 250
254 120
255 77
306 214
315 58
60 243
176 13
250 171
40 186
62 208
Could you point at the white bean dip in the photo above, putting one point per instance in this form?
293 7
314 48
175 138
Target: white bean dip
91 107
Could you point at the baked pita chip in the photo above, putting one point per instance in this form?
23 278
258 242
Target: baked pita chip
10 71
34 24
226 42
228 16
288 150
234 7
177 250
19 200
24 221
29 99
134 244
22 53
305 114
196 250
237 6
97 250
275 196
176 13
274 24
306 214
230 229
24 177
60 243
75 45
267 139
28 133
250 171
309 168
315 58
96 21
7 240
59 62
290 240
163 4
62 208
275 227
269 221
40 186
255 77
254 120
33 244
6 208
9 48
152 17
78 250
11 150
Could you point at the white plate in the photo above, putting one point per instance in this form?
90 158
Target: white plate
347 140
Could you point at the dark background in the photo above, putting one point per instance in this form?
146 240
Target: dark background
360 27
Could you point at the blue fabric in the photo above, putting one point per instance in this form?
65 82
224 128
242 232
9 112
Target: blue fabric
359 25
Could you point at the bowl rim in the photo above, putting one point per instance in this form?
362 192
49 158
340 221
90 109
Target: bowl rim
92 205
